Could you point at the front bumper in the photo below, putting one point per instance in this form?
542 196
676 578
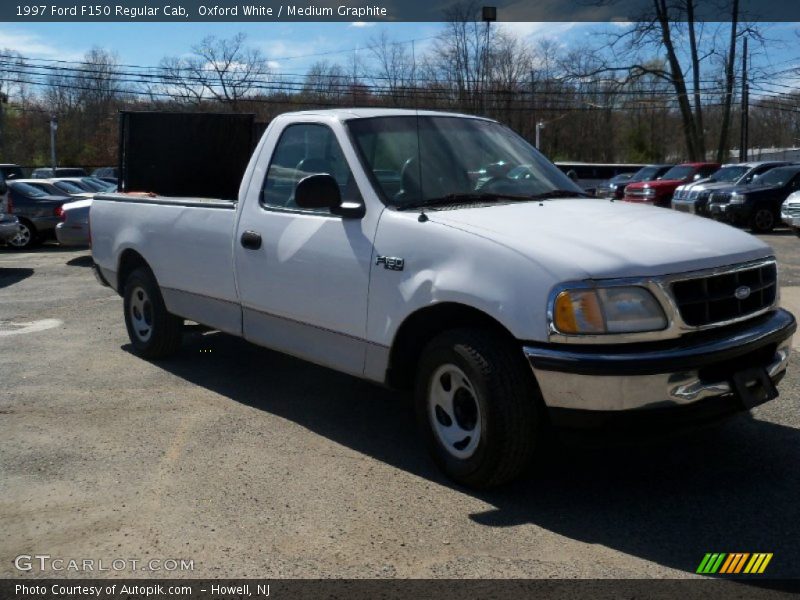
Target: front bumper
736 214
614 379
790 220
8 229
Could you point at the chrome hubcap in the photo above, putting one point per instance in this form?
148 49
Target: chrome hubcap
22 238
141 313
454 411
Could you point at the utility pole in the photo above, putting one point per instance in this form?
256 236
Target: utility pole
489 15
414 72
539 127
745 107
533 101
3 100
53 129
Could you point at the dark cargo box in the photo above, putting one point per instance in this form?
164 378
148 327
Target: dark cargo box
186 154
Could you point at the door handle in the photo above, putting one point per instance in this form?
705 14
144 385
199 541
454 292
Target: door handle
251 240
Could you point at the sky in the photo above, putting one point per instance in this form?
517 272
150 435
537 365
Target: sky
292 47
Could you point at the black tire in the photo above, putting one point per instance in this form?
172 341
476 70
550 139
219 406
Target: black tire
797 231
763 220
154 332
510 418
27 238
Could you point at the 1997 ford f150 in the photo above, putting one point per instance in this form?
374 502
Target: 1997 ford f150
368 241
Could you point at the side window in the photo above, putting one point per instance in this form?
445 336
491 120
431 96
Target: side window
306 149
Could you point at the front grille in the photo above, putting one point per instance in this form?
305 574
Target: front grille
793 210
635 192
720 197
707 300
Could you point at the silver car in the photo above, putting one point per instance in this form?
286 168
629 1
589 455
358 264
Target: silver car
74 229
9 227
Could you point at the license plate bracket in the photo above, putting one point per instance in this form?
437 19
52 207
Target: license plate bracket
753 387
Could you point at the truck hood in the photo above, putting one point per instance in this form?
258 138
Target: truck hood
751 189
590 238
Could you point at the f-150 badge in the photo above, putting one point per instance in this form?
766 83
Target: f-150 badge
392 263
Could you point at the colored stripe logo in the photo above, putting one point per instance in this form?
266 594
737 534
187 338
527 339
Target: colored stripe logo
735 563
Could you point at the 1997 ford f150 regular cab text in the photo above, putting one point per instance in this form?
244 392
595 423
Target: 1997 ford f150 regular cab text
442 253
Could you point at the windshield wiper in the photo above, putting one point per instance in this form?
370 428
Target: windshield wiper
559 194
463 198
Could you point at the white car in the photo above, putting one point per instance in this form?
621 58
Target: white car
790 212
362 240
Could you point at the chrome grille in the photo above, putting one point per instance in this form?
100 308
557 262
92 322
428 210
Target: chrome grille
720 197
714 299
793 210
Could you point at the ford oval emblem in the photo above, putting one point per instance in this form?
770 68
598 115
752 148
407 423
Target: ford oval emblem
742 293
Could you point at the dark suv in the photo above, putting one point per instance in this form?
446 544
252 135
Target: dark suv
757 206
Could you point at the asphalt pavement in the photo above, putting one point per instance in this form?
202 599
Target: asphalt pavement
254 464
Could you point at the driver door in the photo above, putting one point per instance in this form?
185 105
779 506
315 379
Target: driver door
304 287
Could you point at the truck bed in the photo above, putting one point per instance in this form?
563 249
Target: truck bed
147 198
187 242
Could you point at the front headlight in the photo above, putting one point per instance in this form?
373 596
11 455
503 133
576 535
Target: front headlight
607 310
737 198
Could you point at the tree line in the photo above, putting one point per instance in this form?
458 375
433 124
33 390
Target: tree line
663 88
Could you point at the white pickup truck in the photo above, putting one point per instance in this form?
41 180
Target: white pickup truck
442 253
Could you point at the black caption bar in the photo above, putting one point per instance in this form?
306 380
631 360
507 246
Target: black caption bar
376 10
240 589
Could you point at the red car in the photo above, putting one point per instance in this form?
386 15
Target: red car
659 192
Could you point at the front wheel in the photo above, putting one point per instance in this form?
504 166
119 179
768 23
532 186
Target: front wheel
154 332
478 407
762 221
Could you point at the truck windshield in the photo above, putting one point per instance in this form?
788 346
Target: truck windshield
678 172
778 177
729 174
416 160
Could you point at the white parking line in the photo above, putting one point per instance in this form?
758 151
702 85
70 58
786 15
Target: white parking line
7 329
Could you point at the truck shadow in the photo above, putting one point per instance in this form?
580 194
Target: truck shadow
10 276
730 488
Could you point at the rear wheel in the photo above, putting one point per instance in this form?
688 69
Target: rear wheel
153 331
762 221
478 407
27 237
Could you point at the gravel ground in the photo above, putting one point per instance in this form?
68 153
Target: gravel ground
251 463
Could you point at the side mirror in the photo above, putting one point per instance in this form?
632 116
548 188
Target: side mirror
697 176
322 191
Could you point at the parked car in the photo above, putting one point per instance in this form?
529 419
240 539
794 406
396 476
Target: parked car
693 197
615 187
757 206
489 304
57 187
790 212
49 172
660 191
11 171
38 213
7 173
109 174
89 184
74 228
9 227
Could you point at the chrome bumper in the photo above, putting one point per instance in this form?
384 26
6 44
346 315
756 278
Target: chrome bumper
654 376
